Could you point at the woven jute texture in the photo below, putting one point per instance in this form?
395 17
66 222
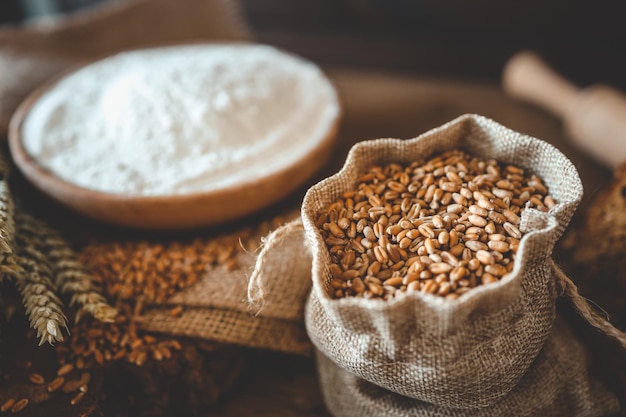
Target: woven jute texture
33 52
556 384
216 307
463 354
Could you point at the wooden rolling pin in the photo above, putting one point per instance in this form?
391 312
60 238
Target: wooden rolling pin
594 118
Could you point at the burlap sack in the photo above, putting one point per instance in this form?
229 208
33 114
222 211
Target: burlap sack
464 354
557 384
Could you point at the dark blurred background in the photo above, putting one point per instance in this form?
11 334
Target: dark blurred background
584 40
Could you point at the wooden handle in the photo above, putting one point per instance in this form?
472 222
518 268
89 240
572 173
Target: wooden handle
527 77
594 118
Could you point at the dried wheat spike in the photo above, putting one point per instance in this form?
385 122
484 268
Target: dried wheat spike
71 277
34 282
8 263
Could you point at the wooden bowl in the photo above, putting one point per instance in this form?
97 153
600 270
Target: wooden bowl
167 212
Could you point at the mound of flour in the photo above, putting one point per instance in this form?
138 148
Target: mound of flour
180 120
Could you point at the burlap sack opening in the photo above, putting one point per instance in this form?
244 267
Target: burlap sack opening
557 384
463 354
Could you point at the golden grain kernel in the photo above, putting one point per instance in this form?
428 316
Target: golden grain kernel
498 245
430 245
65 369
449 258
490 228
35 378
512 230
476 245
141 358
344 223
429 287
395 254
337 284
350 274
77 398
511 216
478 210
487 278
458 273
56 384
444 289
426 231
485 257
358 286
455 208
438 222
496 217
6 406
440 268
381 255
473 264
496 270
99 357
434 257
393 281
375 289
443 238
19 405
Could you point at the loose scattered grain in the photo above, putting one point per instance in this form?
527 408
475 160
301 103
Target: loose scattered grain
72 385
19 405
35 378
6 406
441 226
77 398
138 272
56 384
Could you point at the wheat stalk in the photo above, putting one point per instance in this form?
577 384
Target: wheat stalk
8 262
34 282
71 278
29 268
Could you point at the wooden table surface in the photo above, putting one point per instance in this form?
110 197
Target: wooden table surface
383 105
386 104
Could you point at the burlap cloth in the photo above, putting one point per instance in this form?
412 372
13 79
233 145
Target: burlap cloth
216 307
464 354
557 384
467 354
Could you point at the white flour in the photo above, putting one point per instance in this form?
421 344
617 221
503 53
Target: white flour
180 120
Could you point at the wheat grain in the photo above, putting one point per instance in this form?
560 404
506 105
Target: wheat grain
441 226
34 282
19 405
